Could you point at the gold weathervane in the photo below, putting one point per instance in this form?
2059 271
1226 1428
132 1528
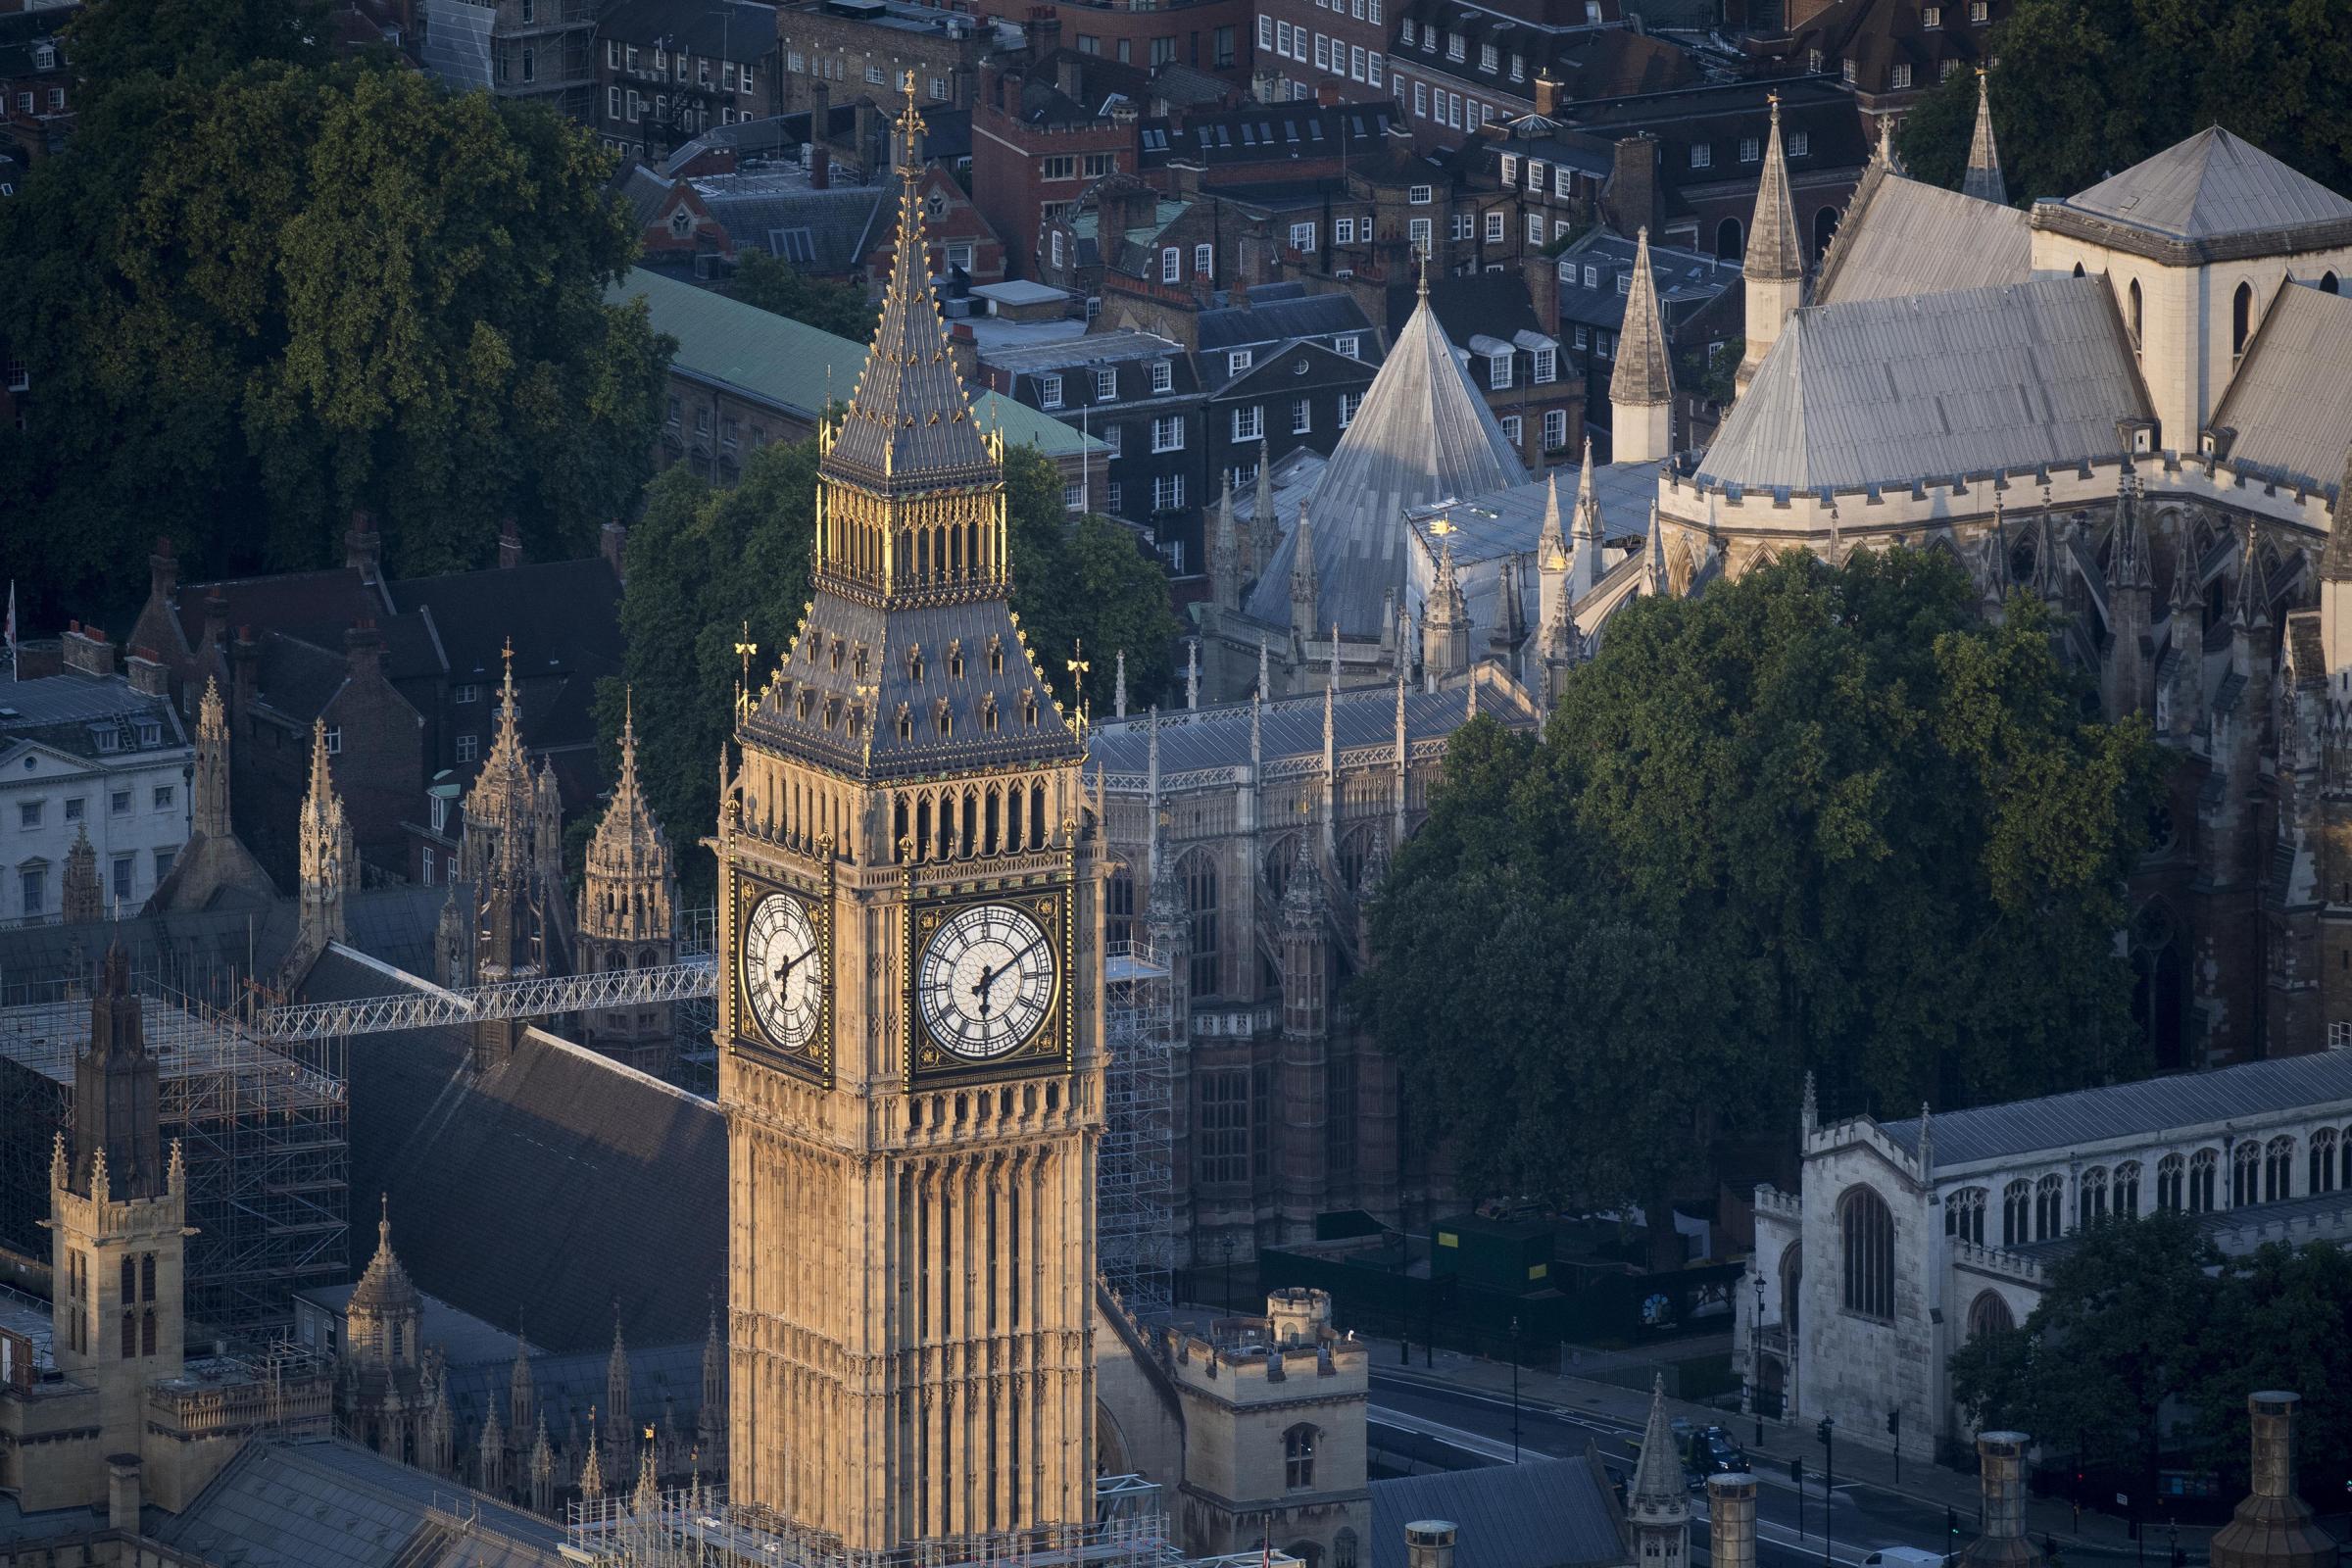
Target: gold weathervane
1078 668
745 648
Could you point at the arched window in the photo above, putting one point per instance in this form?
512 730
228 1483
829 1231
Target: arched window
2133 312
2127 1189
2078 268
2245 1173
1988 1311
1964 1215
2323 1160
147 1332
2016 1207
2049 1207
131 1336
1198 873
2278 1170
1869 1234
2091 1195
2201 1169
2326 282
2170 1176
1119 914
1355 853
1727 240
2241 318
1281 861
1792 1285
1825 226
1343 1548
1298 1457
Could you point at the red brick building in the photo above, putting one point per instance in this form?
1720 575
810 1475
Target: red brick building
37 88
1034 151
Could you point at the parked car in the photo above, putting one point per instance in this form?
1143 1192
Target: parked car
1711 1453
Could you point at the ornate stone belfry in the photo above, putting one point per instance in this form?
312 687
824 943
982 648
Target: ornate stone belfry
627 917
510 875
911 921
330 867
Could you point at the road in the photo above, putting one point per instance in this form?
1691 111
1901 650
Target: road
1458 1429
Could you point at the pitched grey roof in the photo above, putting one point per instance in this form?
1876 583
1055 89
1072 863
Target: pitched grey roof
1903 237
326 1502
2147 1108
843 221
1219 737
2286 402
1890 391
1278 320
1545 1513
2210 186
1423 434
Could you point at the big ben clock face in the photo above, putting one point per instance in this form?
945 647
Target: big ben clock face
986 981
784 971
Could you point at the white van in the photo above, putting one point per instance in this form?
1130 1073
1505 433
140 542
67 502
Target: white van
1903 1557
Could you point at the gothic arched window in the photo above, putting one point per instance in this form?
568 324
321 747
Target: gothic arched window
1987 1312
1298 1457
1281 861
2246 1168
1355 853
147 1332
1964 1215
2201 1169
2135 314
2323 1160
2091 1195
2278 1170
2170 1176
2049 1207
1868 1231
2127 1189
1198 871
1119 914
2017 1209
2241 318
1343 1548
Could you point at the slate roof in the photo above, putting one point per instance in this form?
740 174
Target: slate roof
1474 304
841 224
1293 727
68 713
722 29
1278 321
1899 236
792 366
2210 186
563 618
326 1502
1543 1513
1685 281
2286 402
1890 391
1424 433
554 1182
2148 1108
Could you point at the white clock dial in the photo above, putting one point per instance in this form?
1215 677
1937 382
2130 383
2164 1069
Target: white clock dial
986 981
783 970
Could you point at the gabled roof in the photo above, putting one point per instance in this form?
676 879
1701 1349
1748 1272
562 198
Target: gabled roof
1891 391
1422 434
1899 236
1278 321
2286 403
834 228
2148 1108
2210 186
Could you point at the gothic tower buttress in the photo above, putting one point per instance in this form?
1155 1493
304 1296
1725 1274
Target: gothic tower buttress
910 1023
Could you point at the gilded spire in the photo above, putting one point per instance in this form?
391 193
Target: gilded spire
1775 245
1642 376
1983 177
909 423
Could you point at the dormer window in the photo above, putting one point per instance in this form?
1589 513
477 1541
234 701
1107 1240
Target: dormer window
802 705
988 713
955 660
857 664
832 711
1029 708
905 723
996 653
915 665
942 718
839 648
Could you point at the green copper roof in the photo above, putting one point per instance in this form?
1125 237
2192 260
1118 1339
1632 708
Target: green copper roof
794 365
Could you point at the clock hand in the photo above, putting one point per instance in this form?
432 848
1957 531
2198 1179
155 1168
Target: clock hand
784 969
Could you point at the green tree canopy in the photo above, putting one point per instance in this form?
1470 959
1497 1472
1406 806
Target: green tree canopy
778 286
706 565
1819 818
2144 1321
251 301
2085 88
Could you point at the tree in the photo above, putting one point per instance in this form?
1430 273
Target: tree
710 568
1819 818
778 286
2129 1320
2283 1321
112 42
2086 87
253 301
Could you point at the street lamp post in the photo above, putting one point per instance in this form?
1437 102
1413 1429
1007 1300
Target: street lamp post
1756 1359
1514 1390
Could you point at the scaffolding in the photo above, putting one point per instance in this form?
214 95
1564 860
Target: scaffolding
264 1128
695 1527
1135 1179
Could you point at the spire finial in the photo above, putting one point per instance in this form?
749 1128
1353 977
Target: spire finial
1421 291
384 1219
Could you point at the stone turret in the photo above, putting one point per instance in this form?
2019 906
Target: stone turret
1446 623
2128 678
1657 1508
543 1472
627 917
1302 584
1265 530
2185 697
711 1426
328 865
1642 387
1773 271
617 1403
207 789
1655 577
490 1455
387 1310
1225 568
2272 1528
1983 180
84 903
522 1390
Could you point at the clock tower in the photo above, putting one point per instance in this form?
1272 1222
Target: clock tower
910 1018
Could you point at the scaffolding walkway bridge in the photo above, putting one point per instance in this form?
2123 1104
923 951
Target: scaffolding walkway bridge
430 1006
